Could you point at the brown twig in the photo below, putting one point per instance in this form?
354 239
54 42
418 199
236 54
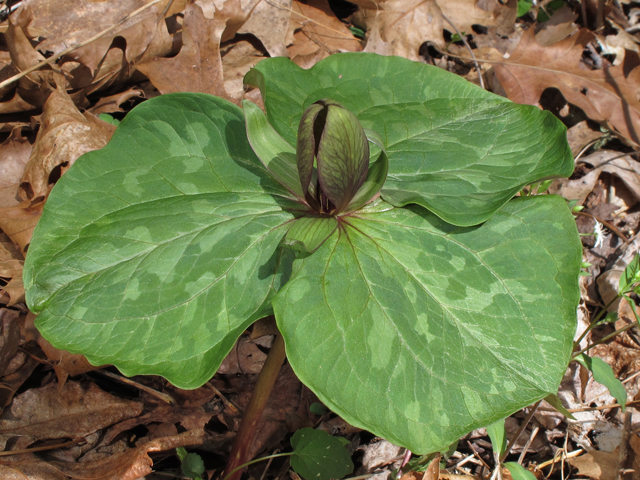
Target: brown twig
162 396
520 430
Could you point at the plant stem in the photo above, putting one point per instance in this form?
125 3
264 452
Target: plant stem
604 339
252 415
270 457
594 322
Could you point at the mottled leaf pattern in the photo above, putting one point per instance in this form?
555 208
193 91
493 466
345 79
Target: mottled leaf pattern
453 148
420 331
156 252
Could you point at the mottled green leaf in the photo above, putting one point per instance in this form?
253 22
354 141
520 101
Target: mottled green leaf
278 156
319 456
156 252
453 148
421 331
603 374
309 233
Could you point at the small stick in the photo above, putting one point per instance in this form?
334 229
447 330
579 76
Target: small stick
475 452
162 396
464 40
55 57
528 444
520 430
228 403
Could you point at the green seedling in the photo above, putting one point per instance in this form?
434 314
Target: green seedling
371 211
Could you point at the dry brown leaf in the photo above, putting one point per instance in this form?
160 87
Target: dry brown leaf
607 96
399 27
64 135
597 465
237 60
34 88
11 263
19 221
71 411
190 411
64 363
317 33
9 337
112 103
14 155
626 168
558 27
500 15
269 22
129 465
198 66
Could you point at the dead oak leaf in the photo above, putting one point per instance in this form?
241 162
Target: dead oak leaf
65 134
608 96
14 155
128 465
400 27
198 66
11 263
317 33
269 22
18 222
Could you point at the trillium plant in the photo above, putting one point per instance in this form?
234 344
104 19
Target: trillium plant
373 211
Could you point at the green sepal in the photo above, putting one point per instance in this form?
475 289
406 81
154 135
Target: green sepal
307 234
274 152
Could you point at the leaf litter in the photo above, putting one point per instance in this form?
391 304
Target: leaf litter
50 118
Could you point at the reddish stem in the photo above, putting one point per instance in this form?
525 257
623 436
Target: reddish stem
253 413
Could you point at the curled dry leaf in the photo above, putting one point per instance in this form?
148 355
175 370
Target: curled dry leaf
399 27
129 465
609 161
14 155
34 88
608 96
111 104
11 263
64 135
317 33
70 411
